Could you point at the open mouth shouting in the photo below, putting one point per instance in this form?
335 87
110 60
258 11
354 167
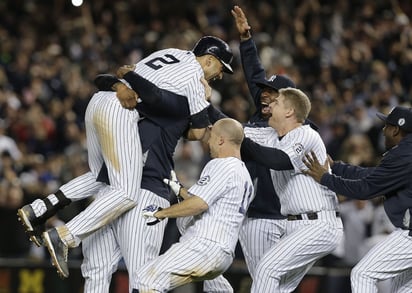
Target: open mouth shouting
265 109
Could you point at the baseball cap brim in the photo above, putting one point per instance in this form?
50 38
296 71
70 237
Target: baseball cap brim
226 67
382 116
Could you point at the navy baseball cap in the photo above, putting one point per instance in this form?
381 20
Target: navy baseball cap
276 82
398 116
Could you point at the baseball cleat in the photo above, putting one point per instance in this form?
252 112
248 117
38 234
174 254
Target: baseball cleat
27 217
58 252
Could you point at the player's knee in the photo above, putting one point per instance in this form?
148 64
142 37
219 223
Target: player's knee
126 204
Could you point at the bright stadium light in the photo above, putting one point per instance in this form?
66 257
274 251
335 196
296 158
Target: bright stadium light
77 3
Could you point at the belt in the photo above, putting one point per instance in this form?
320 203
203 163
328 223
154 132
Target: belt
307 216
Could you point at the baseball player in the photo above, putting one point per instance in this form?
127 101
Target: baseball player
112 138
313 227
218 202
264 224
212 56
190 66
129 237
391 258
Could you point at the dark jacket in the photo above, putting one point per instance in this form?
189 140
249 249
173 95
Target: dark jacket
266 202
391 178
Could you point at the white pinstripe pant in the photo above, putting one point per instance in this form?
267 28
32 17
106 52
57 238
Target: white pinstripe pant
216 285
113 138
305 241
128 237
389 259
193 259
257 236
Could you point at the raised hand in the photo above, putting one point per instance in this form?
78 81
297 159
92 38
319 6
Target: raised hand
242 25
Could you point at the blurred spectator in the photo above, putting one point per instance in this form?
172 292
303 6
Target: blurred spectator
357 150
8 145
353 58
356 216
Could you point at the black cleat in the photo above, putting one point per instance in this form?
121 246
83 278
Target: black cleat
58 252
28 218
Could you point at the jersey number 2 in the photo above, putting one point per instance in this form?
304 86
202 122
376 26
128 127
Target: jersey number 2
159 62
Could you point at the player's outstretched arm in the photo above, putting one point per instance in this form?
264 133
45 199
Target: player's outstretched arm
191 206
242 24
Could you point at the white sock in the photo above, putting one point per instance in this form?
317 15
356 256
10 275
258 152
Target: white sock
53 199
39 207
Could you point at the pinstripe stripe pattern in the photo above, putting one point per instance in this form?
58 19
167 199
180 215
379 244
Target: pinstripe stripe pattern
258 134
391 258
217 285
257 236
184 262
81 187
299 193
223 192
206 248
182 78
282 267
128 237
113 138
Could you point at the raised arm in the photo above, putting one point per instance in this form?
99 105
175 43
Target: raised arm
252 67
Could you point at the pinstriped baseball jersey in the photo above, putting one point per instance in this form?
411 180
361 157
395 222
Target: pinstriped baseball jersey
304 241
206 249
177 71
299 193
225 185
129 236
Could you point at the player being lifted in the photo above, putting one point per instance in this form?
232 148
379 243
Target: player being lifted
113 140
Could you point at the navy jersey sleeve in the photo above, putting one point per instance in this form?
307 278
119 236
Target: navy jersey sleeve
105 82
147 91
252 68
390 175
155 100
200 120
349 171
266 156
215 114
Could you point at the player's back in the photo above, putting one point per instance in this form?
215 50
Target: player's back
225 185
177 71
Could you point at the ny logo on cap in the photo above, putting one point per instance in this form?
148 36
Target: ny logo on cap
272 78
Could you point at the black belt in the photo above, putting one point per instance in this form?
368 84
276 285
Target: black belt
310 216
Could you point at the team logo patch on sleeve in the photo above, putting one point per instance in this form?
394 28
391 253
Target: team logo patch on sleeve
298 148
203 181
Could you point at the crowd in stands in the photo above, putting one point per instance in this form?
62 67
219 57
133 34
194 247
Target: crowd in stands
352 57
